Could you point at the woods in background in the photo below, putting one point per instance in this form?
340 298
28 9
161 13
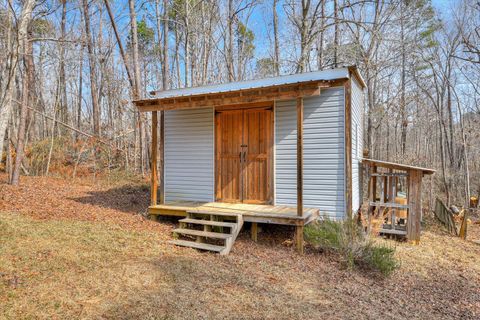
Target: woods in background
69 69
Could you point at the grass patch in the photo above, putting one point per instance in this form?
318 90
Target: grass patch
67 267
353 246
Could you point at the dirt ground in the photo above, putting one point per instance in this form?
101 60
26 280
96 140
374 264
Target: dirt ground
83 249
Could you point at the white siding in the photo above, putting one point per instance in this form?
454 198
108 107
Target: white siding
285 153
189 159
323 152
357 142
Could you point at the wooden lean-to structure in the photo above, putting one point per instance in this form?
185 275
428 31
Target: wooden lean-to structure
395 197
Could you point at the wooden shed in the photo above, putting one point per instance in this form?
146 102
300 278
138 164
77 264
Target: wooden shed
279 150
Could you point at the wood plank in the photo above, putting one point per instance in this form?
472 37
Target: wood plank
397 166
154 174
415 206
393 231
236 207
215 212
241 97
228 155
389 174
258 105
200 233
281 215
197 245
167 212
389 205
257 156
300 156
209 222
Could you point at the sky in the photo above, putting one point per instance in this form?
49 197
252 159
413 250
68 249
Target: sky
260 23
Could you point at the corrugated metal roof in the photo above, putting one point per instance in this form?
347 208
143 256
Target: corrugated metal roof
325 75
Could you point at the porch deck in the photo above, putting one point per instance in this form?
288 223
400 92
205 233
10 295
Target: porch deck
284 215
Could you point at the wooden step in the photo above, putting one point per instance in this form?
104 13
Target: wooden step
200 233
229 239
215 213
393 231
209 222
197 245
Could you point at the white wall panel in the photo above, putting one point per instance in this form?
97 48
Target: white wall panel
189 159
323 152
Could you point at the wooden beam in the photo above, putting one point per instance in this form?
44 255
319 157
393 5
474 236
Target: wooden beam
389 205
154 174
397 166
258 95
415 206
348 148
300 157
162 157
390 174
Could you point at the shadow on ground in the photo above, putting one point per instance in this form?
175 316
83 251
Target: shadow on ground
127 198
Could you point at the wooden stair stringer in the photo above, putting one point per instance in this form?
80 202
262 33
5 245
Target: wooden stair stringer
235 231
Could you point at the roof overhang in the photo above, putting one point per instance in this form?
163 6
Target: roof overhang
355 73
252 91
398 166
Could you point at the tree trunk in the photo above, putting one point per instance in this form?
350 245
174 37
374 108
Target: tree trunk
276 60
136 94
91 62
303 36
321 37
80 90
28 87
403 107
120 46
165 65
231 72
186 44
62 73
18 50
177 58
336 35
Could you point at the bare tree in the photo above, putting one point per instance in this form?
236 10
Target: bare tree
137 92
18 50
92 64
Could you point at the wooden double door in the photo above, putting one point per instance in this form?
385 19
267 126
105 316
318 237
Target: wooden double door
244 155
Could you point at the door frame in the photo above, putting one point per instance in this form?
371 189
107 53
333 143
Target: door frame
258 105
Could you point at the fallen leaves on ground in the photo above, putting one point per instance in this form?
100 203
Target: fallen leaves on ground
83 249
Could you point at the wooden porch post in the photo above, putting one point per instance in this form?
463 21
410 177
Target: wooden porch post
162 157
154 174
299 229
414 205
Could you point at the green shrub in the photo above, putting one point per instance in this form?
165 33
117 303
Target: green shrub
352 245
380 258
